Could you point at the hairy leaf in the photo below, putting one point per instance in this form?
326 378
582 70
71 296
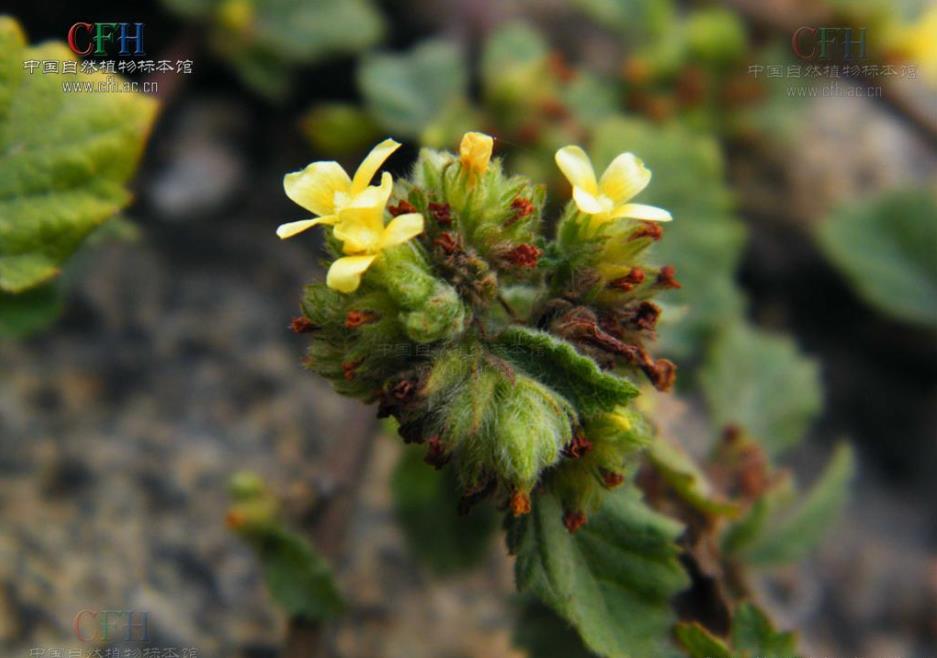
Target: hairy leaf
885 247
558 365
762 383
612 580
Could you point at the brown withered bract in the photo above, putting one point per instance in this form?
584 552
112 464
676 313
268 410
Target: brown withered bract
574 520
302 325
436 454
441 212
578 447
666 278
447 243
524 255
520 503
650 230
354 319
522 208
627 283
402 208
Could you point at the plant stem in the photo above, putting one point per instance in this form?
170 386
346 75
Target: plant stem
343 469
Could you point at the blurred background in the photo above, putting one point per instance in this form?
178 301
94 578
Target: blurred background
803 199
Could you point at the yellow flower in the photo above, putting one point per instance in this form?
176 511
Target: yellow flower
608 198
324 188
475 152
363 234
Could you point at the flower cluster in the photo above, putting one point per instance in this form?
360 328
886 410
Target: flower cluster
512 356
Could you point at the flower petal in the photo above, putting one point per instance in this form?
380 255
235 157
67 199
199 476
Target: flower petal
345 273
624 178
641 211
591 204
576 166
360 229
315 186
375 195
402 228
372 163
290 229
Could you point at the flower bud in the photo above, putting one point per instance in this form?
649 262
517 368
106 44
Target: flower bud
475 152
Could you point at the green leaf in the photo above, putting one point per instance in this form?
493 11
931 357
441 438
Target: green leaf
30 311
407 92
265 39
640 20
64 159
558 365
752 636
705 239
688 481
543 634
298 577
612 580
700 643
885 247
800 529
426 502
761 382
338 129
514 64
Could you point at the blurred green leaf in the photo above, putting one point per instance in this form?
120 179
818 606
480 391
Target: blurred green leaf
688 481
700 643
265 39
297 576
762 383
791 534
612 580
406 92
29 312
544 634
590 98
715 35
886 249
513 65
752 635
704 240
338 129
426 502
640 20
65 159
